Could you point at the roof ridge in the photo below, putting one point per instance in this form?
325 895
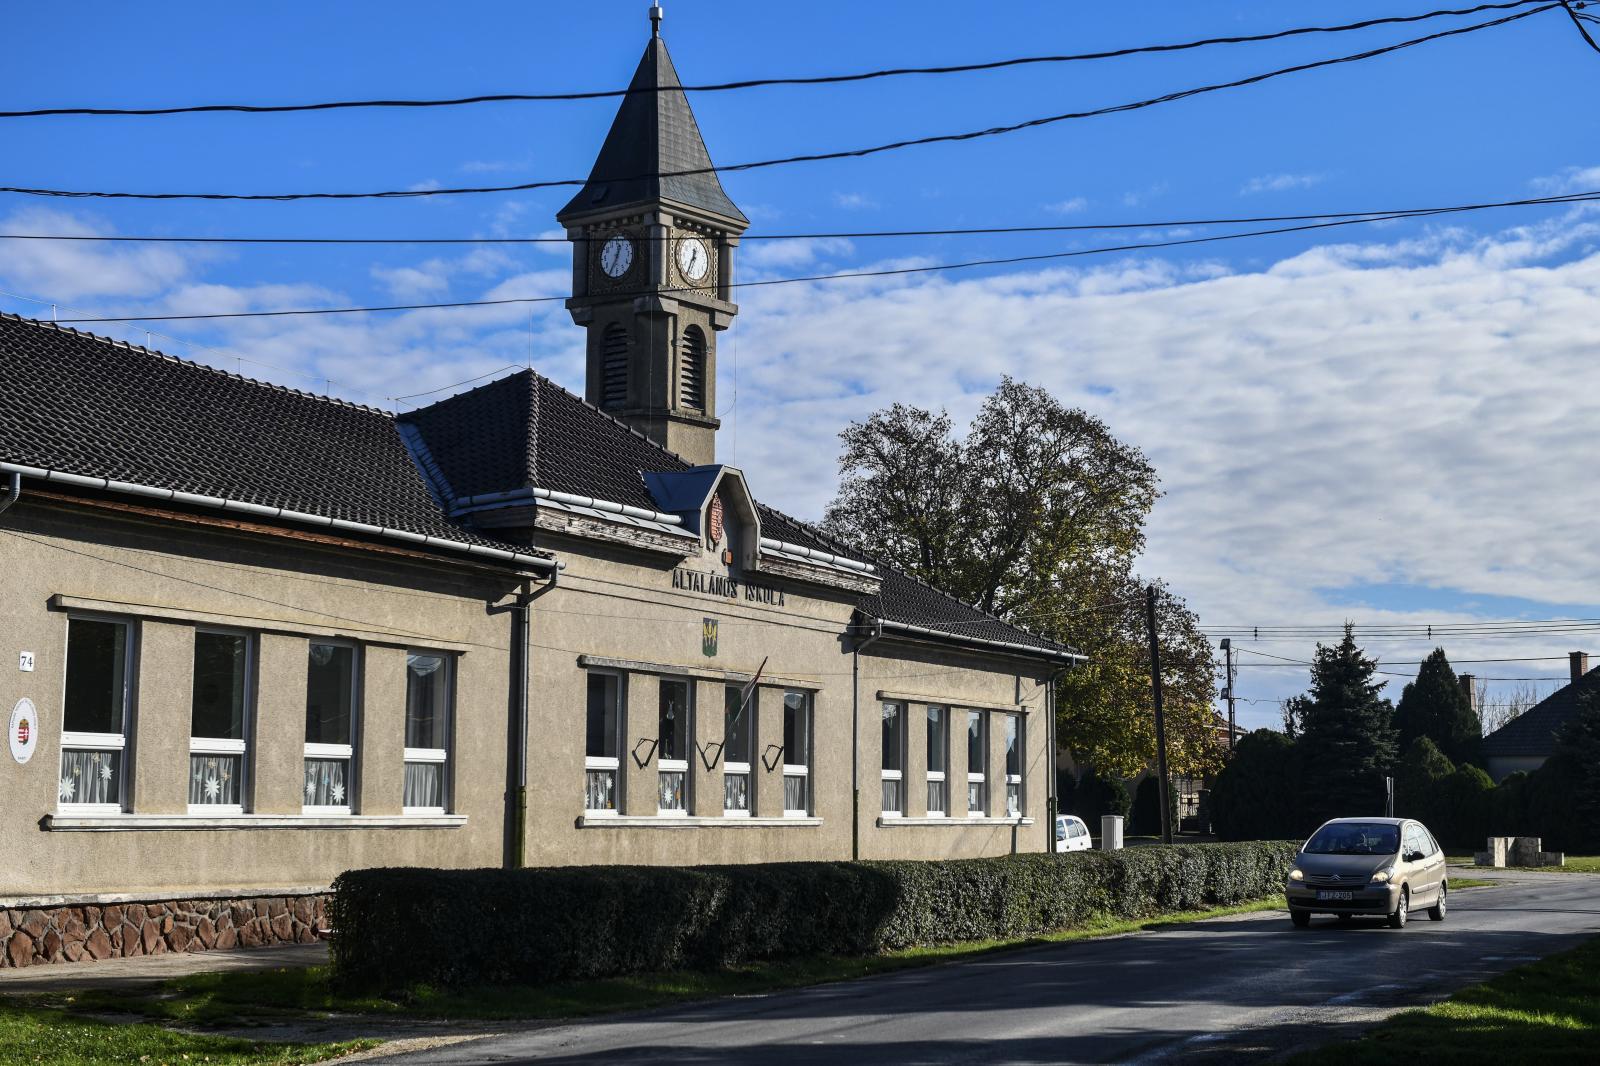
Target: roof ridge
130 346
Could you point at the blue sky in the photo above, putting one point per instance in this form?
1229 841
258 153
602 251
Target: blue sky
1383 424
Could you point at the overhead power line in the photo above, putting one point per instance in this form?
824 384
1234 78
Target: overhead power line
851 153
965 231
839 276
754 83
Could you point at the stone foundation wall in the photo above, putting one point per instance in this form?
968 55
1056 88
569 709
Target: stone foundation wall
77 933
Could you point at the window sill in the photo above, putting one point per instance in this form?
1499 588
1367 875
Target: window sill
656 821
111 823
897 821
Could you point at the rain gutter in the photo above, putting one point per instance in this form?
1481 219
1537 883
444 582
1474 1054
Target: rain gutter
126 488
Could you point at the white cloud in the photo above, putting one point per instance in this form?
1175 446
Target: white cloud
1570 179
854 201
77 270
761 256
1280 183
1067 207
1358 414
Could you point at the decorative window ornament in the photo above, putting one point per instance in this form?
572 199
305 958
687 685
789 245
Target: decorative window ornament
714 522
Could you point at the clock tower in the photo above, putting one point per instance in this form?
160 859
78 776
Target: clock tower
653 237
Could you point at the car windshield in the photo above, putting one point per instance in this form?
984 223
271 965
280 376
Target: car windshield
1354 838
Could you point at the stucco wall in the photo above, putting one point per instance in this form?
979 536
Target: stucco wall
613 608
165 577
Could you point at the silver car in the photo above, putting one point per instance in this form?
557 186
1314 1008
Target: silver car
1385 867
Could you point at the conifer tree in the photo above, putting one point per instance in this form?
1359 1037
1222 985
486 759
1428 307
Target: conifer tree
1347 736
1436 707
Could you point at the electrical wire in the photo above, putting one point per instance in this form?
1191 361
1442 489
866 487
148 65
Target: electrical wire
764 283
966 231
851 153
753 83
1578 21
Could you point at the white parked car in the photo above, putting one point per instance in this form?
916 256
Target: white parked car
1072 834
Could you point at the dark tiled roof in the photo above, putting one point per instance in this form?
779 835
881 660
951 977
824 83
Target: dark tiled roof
526 430
902 598
81 404
654 133
1533 732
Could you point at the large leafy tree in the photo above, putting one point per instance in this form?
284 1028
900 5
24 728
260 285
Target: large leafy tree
1347 735
1436 707
1037 516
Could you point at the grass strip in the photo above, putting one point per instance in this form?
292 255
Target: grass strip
1575 864
236 998
39 1036
1544 1012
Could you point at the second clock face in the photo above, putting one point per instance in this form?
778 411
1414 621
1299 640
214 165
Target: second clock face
694 259
616 256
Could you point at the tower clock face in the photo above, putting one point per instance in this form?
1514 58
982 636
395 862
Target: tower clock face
616 256
694 259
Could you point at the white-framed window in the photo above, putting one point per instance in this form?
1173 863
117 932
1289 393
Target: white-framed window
602 752
1013 765
938 760
977 764
96 708
219 711
797 749
331 711
430 706
894 759
738 745
674 735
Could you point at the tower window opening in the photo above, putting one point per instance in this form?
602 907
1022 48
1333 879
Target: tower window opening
692 375
614 367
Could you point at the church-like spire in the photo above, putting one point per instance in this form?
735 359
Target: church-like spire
653 134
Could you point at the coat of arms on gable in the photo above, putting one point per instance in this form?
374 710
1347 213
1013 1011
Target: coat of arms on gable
714 522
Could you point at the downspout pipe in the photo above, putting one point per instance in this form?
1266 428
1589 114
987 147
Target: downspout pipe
1051 785
127 488
516 829
855 736
13 494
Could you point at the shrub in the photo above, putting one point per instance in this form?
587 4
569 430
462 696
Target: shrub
1465 797
402 927
1253 797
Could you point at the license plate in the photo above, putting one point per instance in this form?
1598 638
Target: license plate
1335 893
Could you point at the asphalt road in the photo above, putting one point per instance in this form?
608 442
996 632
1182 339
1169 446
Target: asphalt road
1222 990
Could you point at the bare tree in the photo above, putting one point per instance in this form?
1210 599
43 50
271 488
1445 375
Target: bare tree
1508 707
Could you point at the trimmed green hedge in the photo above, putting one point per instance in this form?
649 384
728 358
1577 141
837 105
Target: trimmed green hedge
399 927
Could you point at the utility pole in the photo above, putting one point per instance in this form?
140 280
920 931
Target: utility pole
1227 693
1161 722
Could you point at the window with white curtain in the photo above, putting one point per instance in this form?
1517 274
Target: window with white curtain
219 708
894 759
330 728
738 742
602 753
796 753
1013 765
977 764
430 696
673 737
938 760
95 715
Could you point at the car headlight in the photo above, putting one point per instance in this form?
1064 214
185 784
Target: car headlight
1383 874
1296 875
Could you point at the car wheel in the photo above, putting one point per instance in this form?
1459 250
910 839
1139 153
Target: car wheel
1301 919
1397 920
1436 912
